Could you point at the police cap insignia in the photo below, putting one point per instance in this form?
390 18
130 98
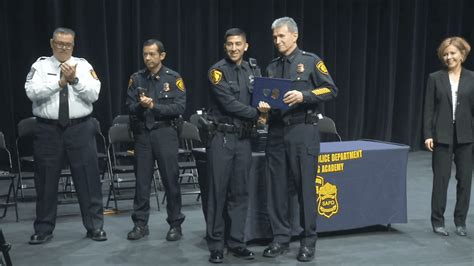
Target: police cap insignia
130 83
322 67
180 84
93 74
216 76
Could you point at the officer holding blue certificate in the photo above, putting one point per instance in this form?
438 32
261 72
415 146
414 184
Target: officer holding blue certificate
293 140
229 153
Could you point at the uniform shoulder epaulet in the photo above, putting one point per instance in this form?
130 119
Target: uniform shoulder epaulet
80 59
276 59
310 54
218 65
171 72
42 58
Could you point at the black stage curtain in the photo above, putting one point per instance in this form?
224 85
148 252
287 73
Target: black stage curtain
378 52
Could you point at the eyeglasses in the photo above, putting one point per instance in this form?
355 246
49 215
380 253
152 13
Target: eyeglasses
62 45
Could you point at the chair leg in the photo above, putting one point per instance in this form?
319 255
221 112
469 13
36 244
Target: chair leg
15 198
19 186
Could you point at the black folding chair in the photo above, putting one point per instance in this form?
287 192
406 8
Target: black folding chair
5 248
6 174
122 171
189 136
327 126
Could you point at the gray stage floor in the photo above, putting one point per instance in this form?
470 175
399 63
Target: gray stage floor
413 243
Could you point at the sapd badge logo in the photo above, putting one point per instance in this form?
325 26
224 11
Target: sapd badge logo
327 197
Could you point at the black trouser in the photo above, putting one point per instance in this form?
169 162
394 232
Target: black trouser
291 154
159 144
441 163
228 166
51 146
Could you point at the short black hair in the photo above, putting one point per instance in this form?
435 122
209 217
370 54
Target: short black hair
159 44
235 32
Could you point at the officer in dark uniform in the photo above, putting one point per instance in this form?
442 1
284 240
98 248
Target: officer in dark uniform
293 139
156 99
229 153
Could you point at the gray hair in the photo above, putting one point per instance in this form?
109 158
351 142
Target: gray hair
285 21
62 30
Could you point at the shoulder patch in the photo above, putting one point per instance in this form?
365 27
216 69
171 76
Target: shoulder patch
93 74
130 82
180 84
321 67
216 76
31 74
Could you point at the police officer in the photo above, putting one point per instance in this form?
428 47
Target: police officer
156 99
62 89
229 152
293 140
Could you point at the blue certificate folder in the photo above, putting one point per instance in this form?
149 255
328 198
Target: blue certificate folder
271 91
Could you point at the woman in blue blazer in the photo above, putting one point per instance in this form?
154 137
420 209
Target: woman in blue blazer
448 131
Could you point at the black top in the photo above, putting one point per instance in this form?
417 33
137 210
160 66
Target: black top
167 90
438 113
231 91
314 80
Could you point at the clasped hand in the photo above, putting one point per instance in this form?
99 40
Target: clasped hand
146 102
68 73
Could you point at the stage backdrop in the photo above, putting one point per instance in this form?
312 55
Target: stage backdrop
379 52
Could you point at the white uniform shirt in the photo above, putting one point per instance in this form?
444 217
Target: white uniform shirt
42 87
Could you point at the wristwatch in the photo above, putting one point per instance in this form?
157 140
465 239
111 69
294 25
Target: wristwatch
74 81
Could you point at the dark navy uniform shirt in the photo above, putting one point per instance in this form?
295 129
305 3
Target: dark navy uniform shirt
231 92
167 90
309 69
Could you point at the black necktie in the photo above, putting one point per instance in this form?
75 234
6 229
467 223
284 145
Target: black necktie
63 116
149 119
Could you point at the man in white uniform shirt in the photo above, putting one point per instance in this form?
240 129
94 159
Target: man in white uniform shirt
62 89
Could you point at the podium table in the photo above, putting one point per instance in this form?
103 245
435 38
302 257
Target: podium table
359 183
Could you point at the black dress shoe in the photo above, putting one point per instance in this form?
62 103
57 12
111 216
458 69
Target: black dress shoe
217 256
275 249
241 252
461 231
97 235
174 233
440 230
305 254
138 232
40 238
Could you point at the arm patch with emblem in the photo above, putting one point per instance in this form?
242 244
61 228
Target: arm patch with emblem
93 74
215 76
180 84
31 74
321 67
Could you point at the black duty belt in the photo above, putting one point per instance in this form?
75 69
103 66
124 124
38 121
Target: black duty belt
160 124
72 121
227 128
294 121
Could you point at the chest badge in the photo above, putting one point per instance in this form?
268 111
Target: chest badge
300 68
166 87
